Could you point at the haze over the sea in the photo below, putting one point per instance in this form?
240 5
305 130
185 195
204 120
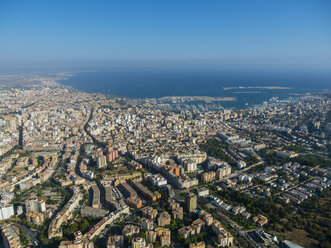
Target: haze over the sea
246 42
138 83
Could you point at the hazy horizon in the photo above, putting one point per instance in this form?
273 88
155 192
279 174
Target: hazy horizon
241 35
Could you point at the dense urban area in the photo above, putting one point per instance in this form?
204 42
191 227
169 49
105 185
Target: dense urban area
84 170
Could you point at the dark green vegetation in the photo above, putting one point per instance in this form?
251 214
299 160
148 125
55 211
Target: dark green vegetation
328 117
214 147
251 160
271 207
22 196
24 239
40 161
310 225
176 224
295 148
328 120
311 160
80 223
194 239
25 154
49 243
42 229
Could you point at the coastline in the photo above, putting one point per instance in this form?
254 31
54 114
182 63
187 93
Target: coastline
202 95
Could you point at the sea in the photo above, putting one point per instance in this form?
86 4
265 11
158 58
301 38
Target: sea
249 90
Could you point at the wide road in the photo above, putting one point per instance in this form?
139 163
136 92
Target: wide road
101 144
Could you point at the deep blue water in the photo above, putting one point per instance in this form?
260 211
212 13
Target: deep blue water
158 83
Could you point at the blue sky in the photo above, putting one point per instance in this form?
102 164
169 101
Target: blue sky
233 31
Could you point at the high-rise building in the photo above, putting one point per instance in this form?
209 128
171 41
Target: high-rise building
101 161
11 122
11 237
6 211
147 224
37 205
164 236
138 243
111 154
190 165
164 219
95 196
208 176
191 202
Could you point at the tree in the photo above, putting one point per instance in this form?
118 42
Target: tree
71 229
84 225
24 239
